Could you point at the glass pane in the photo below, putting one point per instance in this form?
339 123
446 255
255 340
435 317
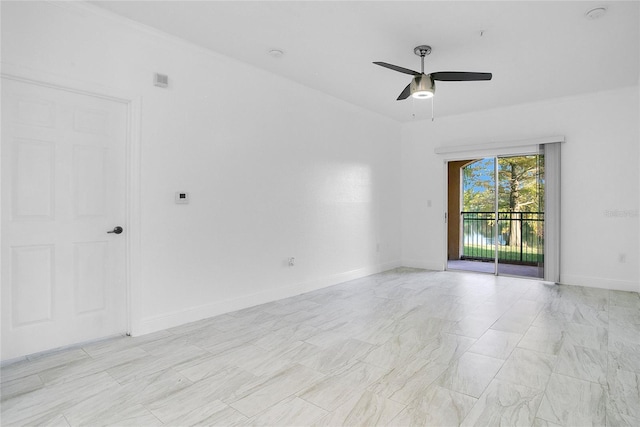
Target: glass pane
477 217
521 215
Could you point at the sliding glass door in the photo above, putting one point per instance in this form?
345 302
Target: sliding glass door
501 216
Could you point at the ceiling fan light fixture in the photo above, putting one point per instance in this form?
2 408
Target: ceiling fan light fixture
422 94
422 87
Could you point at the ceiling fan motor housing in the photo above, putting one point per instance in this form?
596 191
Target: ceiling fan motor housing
422 86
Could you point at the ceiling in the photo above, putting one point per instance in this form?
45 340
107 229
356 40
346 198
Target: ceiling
535 49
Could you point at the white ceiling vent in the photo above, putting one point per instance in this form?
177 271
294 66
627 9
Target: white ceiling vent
161 80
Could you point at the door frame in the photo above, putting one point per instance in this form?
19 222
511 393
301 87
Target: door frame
133 104
477 151
495 209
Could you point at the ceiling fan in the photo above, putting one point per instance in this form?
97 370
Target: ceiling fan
423 85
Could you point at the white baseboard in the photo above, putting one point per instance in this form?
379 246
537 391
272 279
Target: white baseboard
598 282
192 314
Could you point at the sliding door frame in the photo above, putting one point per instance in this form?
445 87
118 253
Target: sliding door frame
506 149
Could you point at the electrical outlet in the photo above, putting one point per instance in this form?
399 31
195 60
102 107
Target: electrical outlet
292 262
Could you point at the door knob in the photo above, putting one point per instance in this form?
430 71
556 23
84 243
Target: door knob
116 230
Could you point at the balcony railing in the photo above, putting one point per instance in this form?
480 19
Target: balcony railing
520 237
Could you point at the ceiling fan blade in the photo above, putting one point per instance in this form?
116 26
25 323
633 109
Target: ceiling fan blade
405 93
460 76
397 68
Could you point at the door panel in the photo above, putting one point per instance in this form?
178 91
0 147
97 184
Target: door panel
63 188
91 261
33 179
520 216
89 181
32 284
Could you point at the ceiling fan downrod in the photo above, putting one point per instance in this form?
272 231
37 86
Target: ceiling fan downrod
422 51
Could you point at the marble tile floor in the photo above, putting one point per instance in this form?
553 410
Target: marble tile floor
402 348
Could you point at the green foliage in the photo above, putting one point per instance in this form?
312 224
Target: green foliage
478 180
520 185
520 189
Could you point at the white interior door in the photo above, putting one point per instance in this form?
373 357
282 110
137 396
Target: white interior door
63 188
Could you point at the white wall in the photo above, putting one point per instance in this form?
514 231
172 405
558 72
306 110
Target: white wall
599 174
274 169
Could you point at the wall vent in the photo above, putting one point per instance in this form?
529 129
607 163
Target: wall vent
161 80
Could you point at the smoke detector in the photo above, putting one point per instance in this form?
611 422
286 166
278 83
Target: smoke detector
596 12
